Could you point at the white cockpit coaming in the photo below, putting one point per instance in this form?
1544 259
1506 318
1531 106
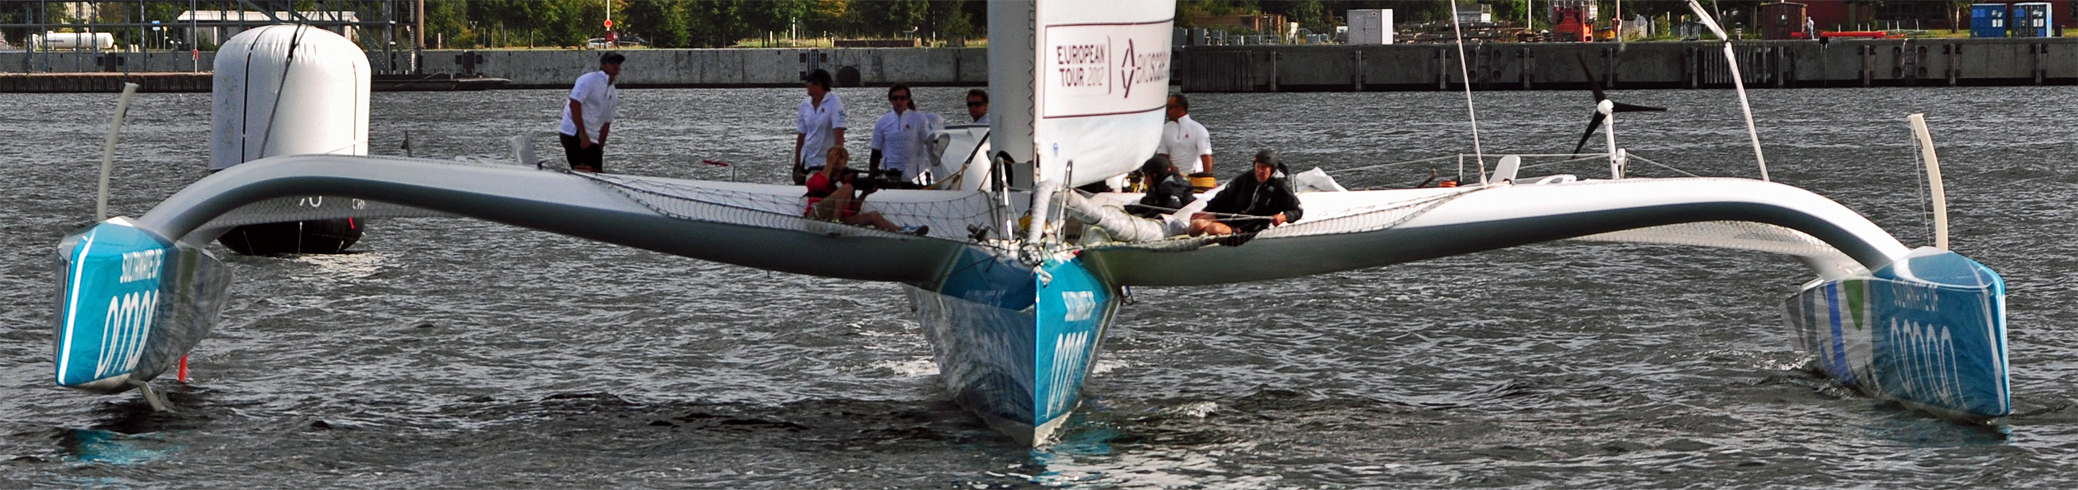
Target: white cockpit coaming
563 203
1445 222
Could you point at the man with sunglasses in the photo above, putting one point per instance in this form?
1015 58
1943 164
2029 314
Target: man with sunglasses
897 137
1184 141
977 105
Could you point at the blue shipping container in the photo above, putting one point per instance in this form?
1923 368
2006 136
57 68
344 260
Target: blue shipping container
1988 20
2032 20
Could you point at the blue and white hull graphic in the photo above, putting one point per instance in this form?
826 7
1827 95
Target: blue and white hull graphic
1015 344
1929 331
130 304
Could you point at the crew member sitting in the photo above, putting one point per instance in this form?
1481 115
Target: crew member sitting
832 197
1252 202
1167 191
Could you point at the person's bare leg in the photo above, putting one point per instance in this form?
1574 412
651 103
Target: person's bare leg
1204 224
839 200
824 209
871 219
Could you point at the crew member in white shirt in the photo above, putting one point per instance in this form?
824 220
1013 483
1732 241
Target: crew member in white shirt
819 126
1185 141
897 136
591 108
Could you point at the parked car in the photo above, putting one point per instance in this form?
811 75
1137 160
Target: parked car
625 40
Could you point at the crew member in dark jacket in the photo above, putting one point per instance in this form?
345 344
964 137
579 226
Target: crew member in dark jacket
1167 191
1252 202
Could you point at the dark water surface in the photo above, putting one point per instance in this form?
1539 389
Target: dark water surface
455 353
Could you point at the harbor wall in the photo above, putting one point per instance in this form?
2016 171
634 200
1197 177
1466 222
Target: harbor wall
1546 66
1262 68
110 62
687 68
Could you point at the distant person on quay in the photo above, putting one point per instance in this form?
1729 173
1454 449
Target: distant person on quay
977 105
589 115
818 126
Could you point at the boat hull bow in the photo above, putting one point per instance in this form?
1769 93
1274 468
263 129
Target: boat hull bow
1928 331
1016 343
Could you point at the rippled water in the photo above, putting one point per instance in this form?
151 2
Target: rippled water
454 353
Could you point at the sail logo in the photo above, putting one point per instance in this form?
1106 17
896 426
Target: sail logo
1083 65
1092 69
1080 305
128 322
1146 68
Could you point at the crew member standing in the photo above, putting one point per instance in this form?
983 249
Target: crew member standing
897 136
818 126
589 115
1185 141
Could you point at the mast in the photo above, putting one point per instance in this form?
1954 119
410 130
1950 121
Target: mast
1011 72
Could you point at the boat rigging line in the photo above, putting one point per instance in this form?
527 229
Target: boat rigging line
115 127
1924 142
1738 83
1465 72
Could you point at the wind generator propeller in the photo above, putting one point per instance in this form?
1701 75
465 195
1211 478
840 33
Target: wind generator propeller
1595 84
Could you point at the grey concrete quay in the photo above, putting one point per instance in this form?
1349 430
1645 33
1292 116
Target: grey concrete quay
1260 68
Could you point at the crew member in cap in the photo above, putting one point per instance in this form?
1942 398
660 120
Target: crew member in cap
1254 201
589 115
818 125
1167 191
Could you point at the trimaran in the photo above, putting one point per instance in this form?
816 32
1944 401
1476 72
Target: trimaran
1016 314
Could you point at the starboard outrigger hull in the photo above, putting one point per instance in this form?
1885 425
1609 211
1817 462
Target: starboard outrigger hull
1928 331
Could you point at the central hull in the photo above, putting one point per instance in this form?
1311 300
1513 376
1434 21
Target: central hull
1014 343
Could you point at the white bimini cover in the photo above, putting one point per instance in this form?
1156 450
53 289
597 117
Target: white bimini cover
288 90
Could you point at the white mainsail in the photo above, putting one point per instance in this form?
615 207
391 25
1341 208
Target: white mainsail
1080 85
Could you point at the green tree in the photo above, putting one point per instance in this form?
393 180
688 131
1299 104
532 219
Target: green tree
661 22
720 23
445 19
776 16
890 18
957 18
28 13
